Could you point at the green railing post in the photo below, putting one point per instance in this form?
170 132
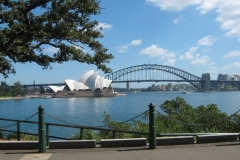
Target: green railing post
18 131
47 134
114 134
41 130
152 127
81 133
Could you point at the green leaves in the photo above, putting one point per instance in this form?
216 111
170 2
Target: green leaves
26 27
7 91
179 117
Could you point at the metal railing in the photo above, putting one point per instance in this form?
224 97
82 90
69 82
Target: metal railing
48 124
42 125
46 128
18 127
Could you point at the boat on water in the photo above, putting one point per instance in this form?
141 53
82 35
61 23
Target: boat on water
185 92
119 94
39 96
46 97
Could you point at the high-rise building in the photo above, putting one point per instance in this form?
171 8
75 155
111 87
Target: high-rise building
225 77
220 77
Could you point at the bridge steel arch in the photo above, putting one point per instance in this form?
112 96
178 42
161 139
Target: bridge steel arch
153 73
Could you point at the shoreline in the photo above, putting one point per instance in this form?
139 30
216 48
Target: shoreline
11 98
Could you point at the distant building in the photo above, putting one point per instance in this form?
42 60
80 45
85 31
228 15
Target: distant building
220 77
89 81
237 76
170 86
233 78
225 77
163 87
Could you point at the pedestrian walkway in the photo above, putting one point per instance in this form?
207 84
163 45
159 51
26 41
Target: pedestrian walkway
213 151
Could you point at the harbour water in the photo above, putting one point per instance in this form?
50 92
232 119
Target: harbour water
89 111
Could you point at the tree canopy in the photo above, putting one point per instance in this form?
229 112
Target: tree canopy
11 91
29 26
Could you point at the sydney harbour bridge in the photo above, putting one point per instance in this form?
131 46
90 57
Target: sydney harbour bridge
158 73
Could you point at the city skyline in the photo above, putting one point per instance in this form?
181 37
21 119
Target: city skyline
199 36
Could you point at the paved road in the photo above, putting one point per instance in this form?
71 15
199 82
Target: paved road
215 151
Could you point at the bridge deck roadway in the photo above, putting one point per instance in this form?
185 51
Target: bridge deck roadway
214 151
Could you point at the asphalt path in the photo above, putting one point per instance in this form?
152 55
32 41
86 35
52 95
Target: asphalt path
212 151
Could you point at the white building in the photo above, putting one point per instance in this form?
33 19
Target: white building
89 81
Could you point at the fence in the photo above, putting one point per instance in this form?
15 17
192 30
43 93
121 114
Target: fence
44 135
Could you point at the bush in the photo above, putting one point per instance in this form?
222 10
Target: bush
87 135
25 137
176 116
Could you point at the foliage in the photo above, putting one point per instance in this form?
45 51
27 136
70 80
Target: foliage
42 91
112 124
177 116
11 91
13 136
27 27
134 126
87 135
180 117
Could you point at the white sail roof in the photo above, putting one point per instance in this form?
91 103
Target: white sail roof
86 76
70 84
90 80
100 81
56 88
79 86
107 82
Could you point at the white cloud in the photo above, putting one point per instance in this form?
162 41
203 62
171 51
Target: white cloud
177 20
136 42
208 5
173 5
189 54
170 62
207 41
232 54
236 64
126 47
204 60
51 50
228 12
231 66
154 51
196 59
123 49
104 26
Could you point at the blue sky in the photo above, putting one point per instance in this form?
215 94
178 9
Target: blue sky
198 36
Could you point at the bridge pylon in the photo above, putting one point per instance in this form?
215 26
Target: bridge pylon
128 86
206 81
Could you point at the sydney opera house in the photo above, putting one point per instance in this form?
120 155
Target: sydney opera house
89 85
